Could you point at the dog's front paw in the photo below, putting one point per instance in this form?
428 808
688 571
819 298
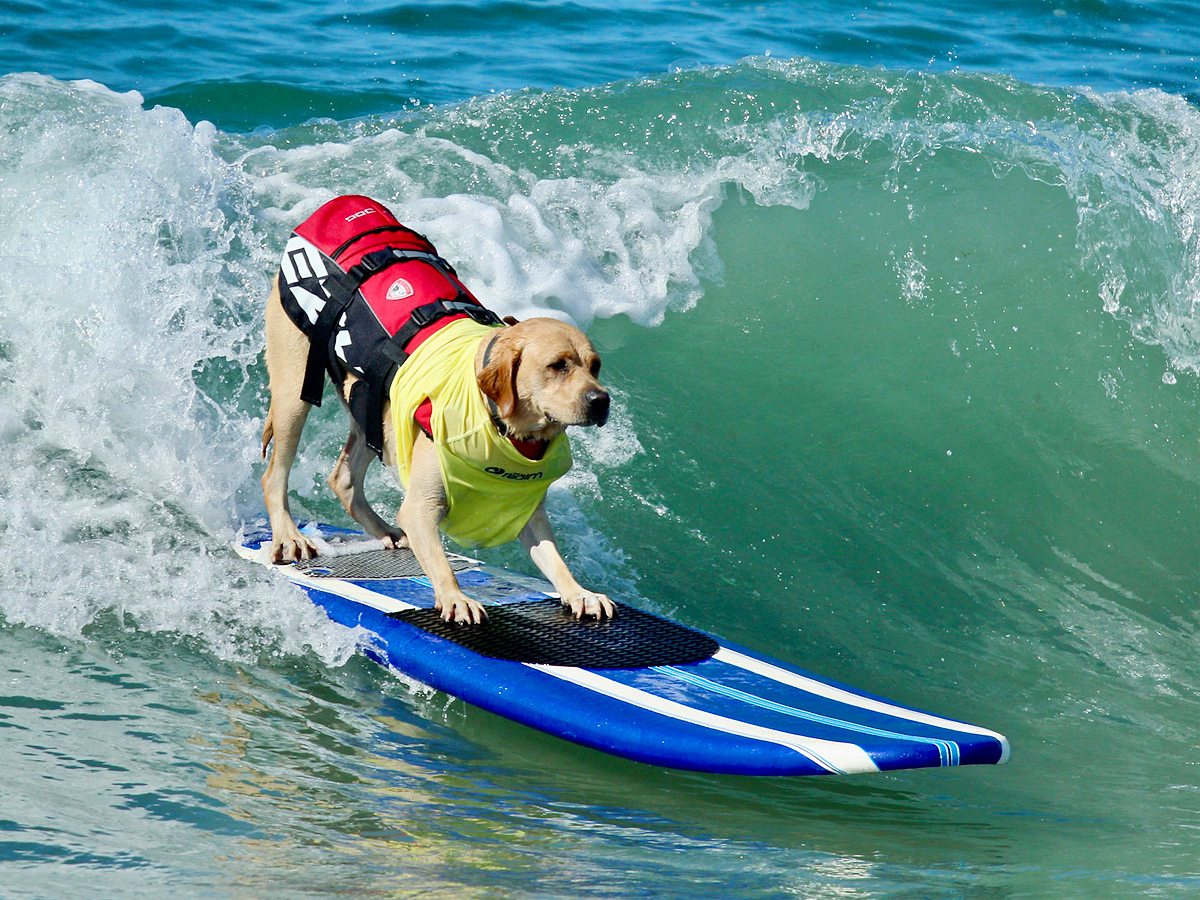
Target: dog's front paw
461 609
295 550
587 603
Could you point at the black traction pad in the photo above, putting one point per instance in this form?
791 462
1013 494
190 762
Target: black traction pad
544 632
375 564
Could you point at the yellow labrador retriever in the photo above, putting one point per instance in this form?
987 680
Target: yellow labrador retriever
534 379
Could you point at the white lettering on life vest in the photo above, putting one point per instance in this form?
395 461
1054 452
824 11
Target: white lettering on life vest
302 262
360 214
342 340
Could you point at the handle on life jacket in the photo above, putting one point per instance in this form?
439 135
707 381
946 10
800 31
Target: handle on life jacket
392 355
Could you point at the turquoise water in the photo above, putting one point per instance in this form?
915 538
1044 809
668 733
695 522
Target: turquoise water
899 321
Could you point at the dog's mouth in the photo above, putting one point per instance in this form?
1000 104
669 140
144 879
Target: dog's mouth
534 431
594 413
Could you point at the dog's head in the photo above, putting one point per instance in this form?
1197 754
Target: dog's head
542 376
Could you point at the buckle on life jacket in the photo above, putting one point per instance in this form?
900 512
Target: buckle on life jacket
482 315
424 316
380 259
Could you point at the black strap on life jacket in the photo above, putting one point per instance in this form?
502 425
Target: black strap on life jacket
367 396
339 290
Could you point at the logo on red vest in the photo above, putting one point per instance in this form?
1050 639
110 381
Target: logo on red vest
399 290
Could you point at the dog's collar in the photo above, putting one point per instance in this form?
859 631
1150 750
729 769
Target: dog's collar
501 427
526 446
493 409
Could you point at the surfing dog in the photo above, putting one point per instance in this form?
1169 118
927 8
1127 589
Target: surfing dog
537 378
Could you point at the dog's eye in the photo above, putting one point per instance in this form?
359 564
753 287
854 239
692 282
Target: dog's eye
595 367
559 365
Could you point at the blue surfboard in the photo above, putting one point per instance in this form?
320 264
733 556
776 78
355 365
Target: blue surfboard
638 686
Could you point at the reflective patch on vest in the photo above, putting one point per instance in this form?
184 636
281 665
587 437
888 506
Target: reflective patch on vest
400 290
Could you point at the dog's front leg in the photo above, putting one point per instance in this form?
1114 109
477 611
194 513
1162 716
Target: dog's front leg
286 355
422 511
537 537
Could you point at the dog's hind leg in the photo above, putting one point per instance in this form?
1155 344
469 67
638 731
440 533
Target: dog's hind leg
347 478
287 352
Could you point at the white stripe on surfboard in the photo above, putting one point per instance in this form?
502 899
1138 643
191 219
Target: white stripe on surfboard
354 592
812 686
835 756
948 752
338 586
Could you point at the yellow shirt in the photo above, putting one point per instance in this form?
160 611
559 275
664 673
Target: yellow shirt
491 488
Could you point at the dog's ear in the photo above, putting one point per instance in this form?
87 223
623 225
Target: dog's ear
498 380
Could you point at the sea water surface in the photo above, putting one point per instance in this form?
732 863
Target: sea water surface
898 308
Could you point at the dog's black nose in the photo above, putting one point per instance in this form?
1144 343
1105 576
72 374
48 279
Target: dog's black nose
597 407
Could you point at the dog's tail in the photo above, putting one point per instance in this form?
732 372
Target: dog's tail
268 434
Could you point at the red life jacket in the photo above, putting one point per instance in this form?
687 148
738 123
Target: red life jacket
367 291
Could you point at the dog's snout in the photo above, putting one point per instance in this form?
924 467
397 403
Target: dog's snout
597 407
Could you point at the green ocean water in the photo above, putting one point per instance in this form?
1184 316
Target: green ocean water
904 371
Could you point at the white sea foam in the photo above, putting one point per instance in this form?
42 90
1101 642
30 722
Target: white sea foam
616 238
126 349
